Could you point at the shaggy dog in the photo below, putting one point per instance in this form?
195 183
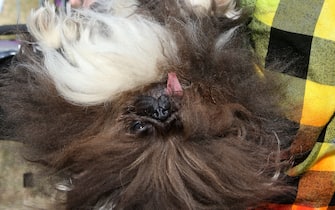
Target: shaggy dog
147 104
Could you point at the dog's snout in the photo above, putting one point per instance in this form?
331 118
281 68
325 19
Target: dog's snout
163 108
156 108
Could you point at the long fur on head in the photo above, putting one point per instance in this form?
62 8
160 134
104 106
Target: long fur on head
147 104
92 56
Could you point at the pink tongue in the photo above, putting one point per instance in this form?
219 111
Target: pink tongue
173 86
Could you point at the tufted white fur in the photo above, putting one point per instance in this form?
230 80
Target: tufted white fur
200 7
122 8
227 8
224 7
91 56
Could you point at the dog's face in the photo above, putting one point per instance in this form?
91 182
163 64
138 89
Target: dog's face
188 149
147 105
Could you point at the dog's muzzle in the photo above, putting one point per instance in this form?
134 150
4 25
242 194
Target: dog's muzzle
160 108
156 108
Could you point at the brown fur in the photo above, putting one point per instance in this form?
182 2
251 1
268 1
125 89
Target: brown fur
217 150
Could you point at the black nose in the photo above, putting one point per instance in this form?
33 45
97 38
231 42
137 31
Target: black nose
159 109
162 109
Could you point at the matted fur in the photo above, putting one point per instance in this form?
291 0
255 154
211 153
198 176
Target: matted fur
217 146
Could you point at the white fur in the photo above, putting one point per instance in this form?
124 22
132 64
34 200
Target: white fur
92 57
228 8
224 38
46 24
122 8
223 7
200 7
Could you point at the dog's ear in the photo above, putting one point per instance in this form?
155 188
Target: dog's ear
93 56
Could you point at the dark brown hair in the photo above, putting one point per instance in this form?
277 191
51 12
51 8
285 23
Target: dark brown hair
218 149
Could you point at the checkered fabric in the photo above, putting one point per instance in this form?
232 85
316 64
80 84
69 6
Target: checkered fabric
301 33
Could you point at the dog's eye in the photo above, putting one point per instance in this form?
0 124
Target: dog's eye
139 127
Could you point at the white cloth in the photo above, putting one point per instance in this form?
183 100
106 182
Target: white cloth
1 5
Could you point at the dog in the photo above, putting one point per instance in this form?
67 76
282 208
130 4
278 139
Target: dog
148 104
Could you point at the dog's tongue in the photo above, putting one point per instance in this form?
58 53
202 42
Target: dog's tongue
173 86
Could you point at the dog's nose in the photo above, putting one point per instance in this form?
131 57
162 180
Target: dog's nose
156 108
162 110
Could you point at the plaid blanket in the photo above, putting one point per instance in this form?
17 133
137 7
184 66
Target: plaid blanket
301 33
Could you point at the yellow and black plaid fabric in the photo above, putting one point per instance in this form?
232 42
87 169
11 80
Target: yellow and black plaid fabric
301 33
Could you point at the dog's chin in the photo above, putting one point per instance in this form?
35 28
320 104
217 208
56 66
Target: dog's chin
169 173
